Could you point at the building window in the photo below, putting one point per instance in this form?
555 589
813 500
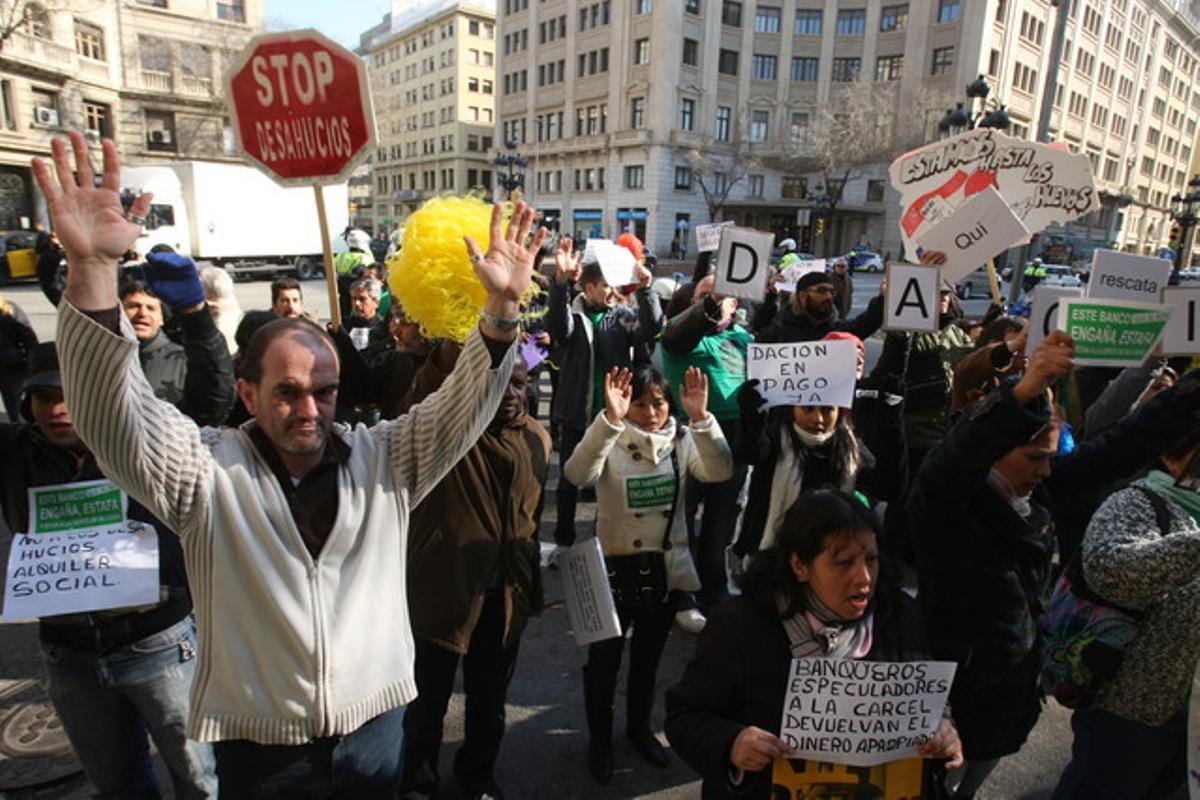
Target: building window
846 70
643 6
683 178
794 187
635 177
893 18
692 6
38 20
641 51
232 11
808 22
760 122
874 191
949 10
804 69
943 61
731 13
852 22
799 127
160 131
691 53
764 68
97 118
687 114
89 41
724 118
6 105
637 112
766 19
727 62
889 68
755 186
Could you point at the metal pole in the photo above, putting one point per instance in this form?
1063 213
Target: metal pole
1043 129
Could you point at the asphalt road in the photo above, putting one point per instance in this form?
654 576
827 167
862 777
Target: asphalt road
544 754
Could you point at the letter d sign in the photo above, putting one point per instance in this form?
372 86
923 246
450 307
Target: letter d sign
742 261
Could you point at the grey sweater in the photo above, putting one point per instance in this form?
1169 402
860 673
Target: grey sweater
1128 561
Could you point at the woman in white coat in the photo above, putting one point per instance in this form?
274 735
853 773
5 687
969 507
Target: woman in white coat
639 459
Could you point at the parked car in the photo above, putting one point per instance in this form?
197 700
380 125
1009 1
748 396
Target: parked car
864 261
1189 275
18 261
1057 275
974 285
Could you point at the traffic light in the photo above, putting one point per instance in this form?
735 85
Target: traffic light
1176 236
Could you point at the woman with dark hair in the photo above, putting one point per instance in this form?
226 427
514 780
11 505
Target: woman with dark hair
816 592
639 460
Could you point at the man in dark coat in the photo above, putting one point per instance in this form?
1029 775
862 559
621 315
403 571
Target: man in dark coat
980 516
811 314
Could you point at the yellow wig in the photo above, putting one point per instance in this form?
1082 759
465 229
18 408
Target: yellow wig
431 276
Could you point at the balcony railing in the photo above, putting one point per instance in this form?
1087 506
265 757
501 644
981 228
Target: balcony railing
195 86
157 81
41 52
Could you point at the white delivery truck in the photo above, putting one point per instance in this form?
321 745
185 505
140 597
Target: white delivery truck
234 216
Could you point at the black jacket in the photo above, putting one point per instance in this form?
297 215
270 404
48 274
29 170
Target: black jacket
984 571
30 460
613 342
785 325
196 377
738 678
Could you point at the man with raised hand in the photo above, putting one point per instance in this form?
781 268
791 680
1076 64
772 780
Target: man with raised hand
294 528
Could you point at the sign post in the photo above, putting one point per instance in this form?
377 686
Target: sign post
301 110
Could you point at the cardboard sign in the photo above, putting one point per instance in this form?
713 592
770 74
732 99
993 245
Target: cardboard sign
1112 333
895 780
590 607
1041 183
1183 330
1124 276
743 263
80 554
534 354
912 300
708 237
797 270
616 262
1043 316
978 230
804 373
863 713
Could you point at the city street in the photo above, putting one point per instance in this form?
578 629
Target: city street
544 754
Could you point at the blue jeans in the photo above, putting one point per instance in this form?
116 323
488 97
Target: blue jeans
365 763
108 703
1114 758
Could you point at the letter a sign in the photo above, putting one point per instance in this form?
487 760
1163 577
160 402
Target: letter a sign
911 301
743 263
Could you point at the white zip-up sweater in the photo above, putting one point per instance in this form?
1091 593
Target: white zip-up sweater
290 649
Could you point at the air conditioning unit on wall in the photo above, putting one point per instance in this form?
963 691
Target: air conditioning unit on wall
160 137
45 115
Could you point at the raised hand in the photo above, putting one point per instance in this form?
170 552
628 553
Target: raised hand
94 229
507 266
643 276
618 394
1049 362
567 263
693 394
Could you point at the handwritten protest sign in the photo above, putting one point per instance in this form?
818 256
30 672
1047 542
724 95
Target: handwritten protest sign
1112 333
1124 276
804 373
743 263
1182 337
1043 315
590 607
895 780
1042 183
79 554
797 270
863 713
708 237
973 233
911 300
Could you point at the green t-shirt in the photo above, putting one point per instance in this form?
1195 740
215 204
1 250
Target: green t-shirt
722 357
597 367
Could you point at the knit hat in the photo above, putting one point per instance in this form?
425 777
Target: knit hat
811 279
844 335
633 244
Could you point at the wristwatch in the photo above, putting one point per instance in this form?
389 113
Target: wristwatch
499 323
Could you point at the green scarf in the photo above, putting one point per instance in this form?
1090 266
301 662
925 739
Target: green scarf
1186 499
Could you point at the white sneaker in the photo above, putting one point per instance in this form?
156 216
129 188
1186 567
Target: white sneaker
690 620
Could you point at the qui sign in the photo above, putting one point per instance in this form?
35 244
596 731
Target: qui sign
973 233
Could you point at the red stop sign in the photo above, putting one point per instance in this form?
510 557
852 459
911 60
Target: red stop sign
301 107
